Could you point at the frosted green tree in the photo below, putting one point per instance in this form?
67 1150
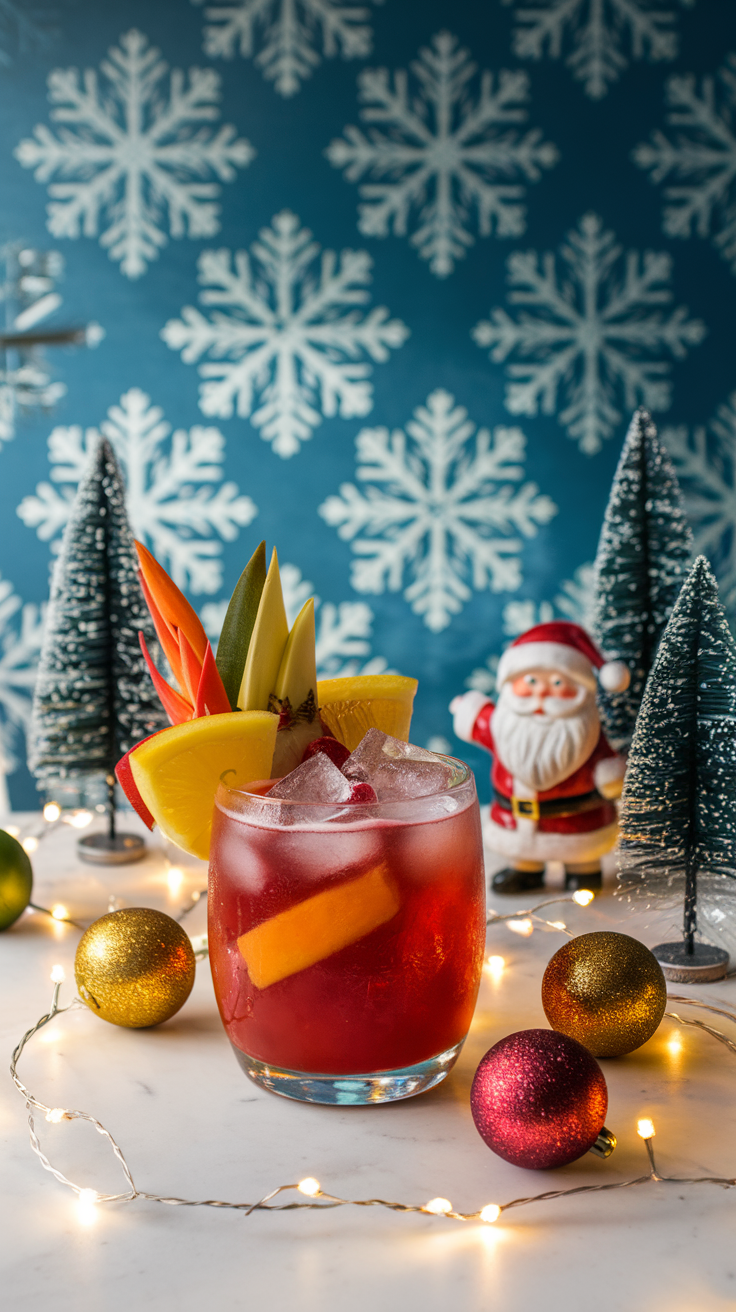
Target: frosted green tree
644 551
678 815
93 698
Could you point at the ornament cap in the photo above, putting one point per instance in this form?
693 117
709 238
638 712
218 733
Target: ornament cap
605 1144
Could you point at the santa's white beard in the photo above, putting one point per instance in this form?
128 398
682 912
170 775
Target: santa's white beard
543 750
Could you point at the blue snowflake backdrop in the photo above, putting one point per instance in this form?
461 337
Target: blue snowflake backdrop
379 282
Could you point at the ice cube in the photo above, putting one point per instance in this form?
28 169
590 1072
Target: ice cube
315 780
397 770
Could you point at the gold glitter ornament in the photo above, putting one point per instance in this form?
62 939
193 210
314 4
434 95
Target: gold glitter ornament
135 967
606 990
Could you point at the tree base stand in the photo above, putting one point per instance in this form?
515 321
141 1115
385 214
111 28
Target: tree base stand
102 850
704 964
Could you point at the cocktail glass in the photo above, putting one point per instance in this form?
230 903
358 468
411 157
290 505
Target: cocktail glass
346 941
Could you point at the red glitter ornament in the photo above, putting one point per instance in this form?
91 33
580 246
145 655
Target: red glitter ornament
539 1099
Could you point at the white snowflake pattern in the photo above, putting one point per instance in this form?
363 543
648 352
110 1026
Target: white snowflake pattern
597 28
705 459
444 152
295 339
176 500
483 679
343 639
129 153
595 332
574 602
449 510
700 159
21 630
289 55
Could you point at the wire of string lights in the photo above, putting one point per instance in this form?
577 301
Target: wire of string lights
313 1195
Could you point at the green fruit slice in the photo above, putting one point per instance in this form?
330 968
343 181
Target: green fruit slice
240 619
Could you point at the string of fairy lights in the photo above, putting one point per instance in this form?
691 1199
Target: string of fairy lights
81 818
311 1195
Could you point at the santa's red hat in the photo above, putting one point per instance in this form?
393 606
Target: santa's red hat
565 647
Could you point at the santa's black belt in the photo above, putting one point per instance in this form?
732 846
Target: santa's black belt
528 808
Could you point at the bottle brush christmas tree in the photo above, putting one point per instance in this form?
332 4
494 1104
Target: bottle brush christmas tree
93 698
644 551
678 816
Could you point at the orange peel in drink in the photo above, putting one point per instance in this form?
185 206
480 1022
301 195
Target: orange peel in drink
319 926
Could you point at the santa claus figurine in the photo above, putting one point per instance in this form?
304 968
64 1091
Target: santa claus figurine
554 775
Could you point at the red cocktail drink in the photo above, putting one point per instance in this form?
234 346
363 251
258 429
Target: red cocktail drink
346 941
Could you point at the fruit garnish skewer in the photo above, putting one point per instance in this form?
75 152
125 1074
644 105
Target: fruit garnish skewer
261 689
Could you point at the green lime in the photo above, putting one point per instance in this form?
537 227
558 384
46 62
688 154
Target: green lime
16 880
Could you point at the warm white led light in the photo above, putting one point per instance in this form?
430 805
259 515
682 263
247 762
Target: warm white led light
29 844
13 830
196 895
645 1128
523 927
175 879
49 1036
490 1213
87 1206
51 812
583 897
674 1044
558 924
80 819
309 1186
438 1206
59 911
494 967
55 1115
58 974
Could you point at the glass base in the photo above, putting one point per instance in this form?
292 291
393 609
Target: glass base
377 1086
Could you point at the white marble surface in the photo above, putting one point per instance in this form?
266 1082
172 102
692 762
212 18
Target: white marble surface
191 1124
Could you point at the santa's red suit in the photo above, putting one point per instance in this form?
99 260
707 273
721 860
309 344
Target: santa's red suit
574 820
